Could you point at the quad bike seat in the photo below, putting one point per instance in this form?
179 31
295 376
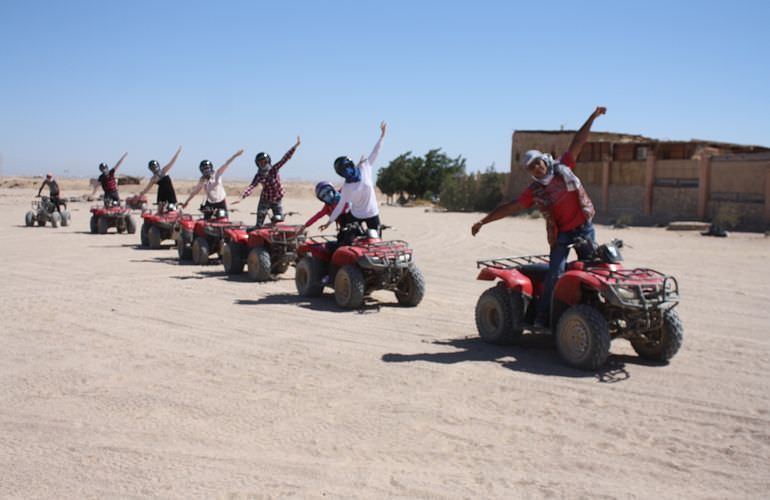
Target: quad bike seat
535 272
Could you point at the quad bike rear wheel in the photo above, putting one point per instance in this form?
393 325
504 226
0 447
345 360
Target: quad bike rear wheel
499 315
184 246
143 234
130 224
662 344
583 338
29 219
153 237
349 287
200 251
307 277
65 218
94 225
55 219
411 290
258 263
41 221
103 224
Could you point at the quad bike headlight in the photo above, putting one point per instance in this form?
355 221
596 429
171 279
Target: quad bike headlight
627 293
404 257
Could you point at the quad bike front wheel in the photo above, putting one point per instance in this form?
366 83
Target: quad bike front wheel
153 237
55 219
232 258
29 219
349 287
200 251
307 277
258 263
499 315
411 289
583 338
103 224
94 225
662 344
130 225
65 218
41 221
144 241
184 246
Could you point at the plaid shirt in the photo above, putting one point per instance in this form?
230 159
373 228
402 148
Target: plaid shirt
272 190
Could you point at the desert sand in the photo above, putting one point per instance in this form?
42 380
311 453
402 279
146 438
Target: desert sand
125 374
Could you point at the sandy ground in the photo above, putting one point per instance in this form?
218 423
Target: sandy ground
125 374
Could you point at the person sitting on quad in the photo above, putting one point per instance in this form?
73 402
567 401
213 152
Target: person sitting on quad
330 197
559 195
109 183
358 190
212 182
272 190
53 191
166 194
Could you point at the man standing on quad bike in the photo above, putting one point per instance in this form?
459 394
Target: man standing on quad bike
559 195
272 190
108 182
358 189
212 181
53 191
166 193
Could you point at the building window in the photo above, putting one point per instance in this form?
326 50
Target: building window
640 153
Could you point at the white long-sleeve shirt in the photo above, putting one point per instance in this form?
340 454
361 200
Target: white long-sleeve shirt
360 195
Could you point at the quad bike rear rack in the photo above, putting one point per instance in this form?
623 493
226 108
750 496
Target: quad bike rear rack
513 262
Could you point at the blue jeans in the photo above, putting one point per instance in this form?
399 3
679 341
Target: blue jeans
558 264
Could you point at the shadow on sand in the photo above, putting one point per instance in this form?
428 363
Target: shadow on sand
533 354
323 303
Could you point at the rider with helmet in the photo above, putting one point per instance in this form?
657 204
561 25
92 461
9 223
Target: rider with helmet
559 195
108 182
212 182
272 190
329 196
166 194
53 191
358 190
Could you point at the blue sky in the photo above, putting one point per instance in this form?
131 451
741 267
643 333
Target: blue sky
82 82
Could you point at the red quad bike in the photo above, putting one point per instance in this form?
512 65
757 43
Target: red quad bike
112 215
201 238
137 202
159 226
594 301
266 252
367 264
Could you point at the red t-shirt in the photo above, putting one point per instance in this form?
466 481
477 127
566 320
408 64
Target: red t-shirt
565 205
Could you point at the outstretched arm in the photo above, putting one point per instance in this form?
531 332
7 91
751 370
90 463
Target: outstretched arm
171 163
582 135
221 170
150 184
41 188
502 210
288 155
95 184
115 168
194 191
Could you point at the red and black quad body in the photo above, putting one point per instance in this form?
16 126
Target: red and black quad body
367 264
112 215
266 252
198 239
158 227
594 301
44 210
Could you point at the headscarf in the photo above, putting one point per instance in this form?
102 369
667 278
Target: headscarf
552 166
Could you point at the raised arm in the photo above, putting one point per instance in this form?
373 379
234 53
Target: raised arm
373 156
171 163
502 210
195 190
286 157
221 170
117 165
582 135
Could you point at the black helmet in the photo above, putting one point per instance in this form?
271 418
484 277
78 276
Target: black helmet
206 167
262 156
342 165
154 166
103 167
